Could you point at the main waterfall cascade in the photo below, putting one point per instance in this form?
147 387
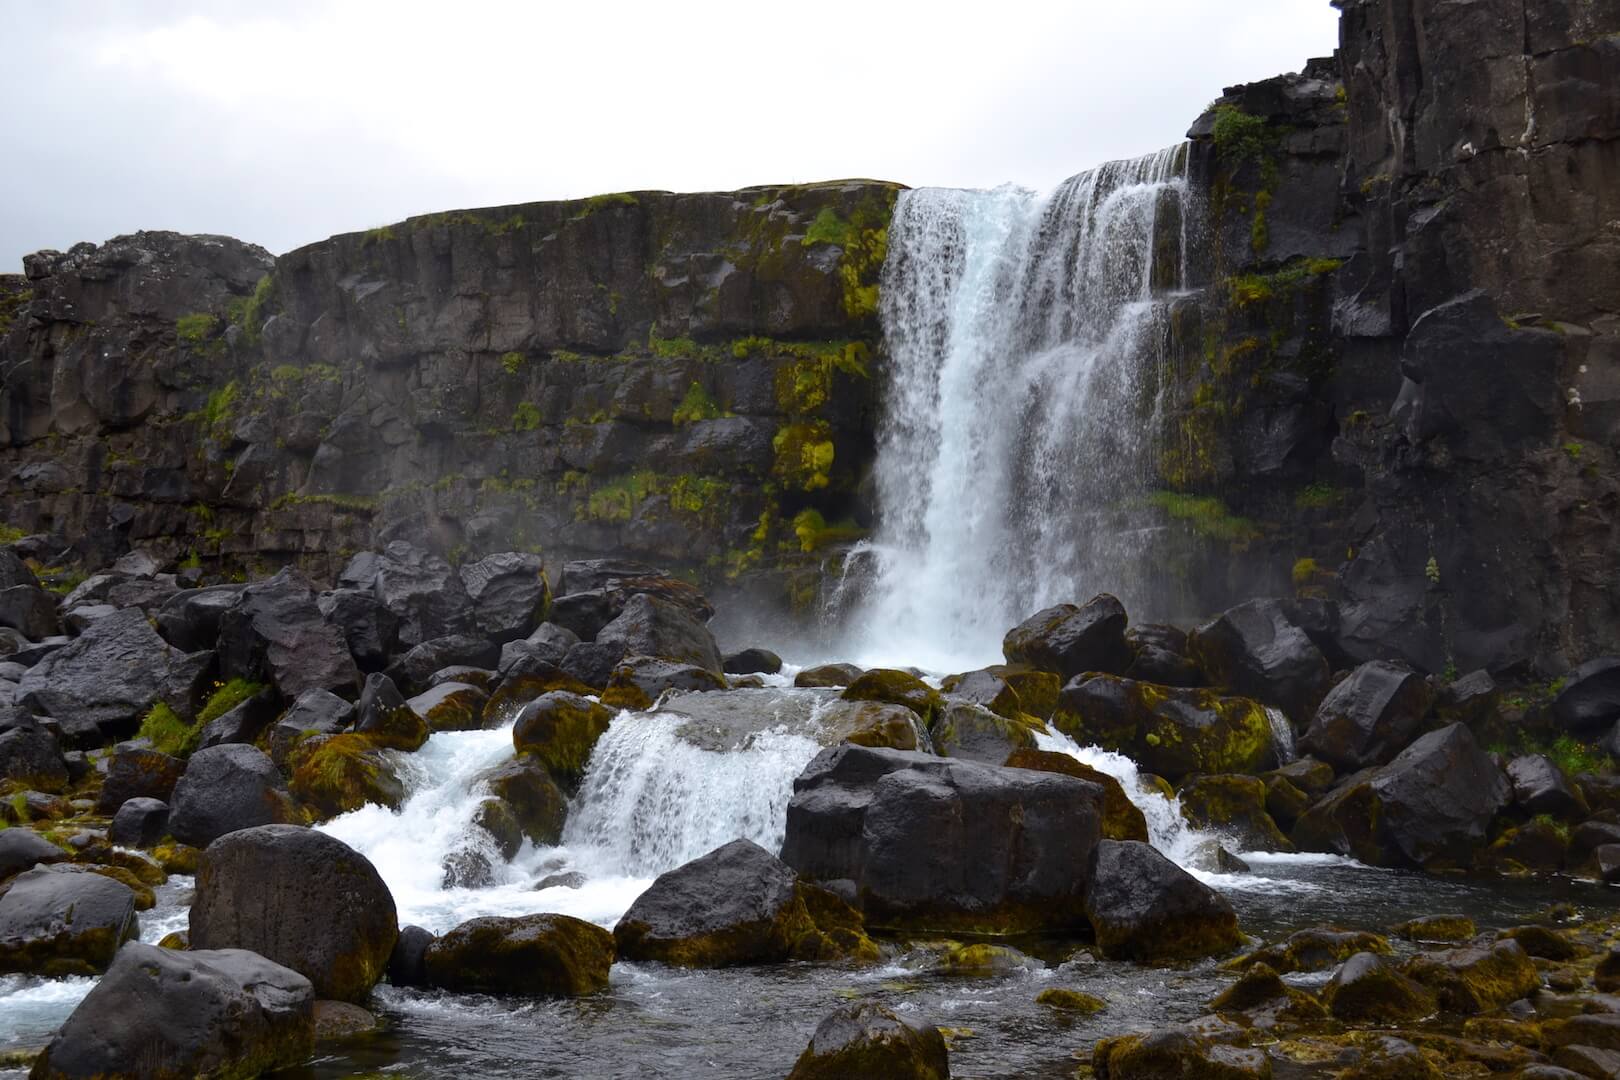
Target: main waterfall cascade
1023 333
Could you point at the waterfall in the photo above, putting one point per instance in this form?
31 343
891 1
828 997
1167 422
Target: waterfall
1282 735
1022 333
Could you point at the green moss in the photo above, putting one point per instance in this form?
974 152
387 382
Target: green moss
560 731
526 417
10 304
1208 516
342 774
218 412
1319 496
814 533
1239 136
700 495
618 499
1305 571
607 202
357 504
676 348
1070 1001
511 362
380 235
195 328
249 312
804 455
697 405
10 534
225 697
1245 290
168 733
828 228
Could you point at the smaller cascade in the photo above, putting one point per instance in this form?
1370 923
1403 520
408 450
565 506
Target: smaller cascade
1282 736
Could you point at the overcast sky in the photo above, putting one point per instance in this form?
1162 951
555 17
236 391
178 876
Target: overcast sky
283 123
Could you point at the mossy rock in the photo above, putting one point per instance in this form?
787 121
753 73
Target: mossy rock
1470 981
1234 806
1368 990
827 676
1347 821
1037 690
139 867
1526 1033
532 955
981 961
1265 1000
451 706
178 940
1539 844
1070 1001
340 773
1315 948
1167 1053
626 696
1437 928
533 797
177 858
519 690
560 730
1545 943
866 1040
1285 802
974 733
871 723
1121 820
398 728
145 899
897 688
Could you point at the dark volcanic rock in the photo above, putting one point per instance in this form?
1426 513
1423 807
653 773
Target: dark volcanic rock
1257 650
1540 787
189 620
314 712
533 797
31 756
419 589
827 675
243 723
1590 698
930 843
508 594
370 630
110 675
407 964
1070 640
1369 717
139 823
20 849
412 671
559 730
536 955
383 714
867 1040
649 626
751 661
162 1013
30 610
57 923
226 788
638 681
1438 797
276 633
300 898
1144 907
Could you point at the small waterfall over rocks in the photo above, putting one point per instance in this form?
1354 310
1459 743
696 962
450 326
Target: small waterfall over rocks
1023 333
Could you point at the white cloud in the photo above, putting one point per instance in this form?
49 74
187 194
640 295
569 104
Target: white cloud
282 125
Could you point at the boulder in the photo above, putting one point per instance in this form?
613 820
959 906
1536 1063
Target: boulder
1540 787
866 1040
370 630
1368 990
57 923
1589 701
639 681
139 823
1476 979
1173 1053
975 733
1315 948
582 614
450 706
649 626
1170 731
300 898
620 579
872 723
30 756
1258 651
1235 807
314 712
384 715
508 592
827 676
533 797
335 774
1121 820
922 842
559 730
739 904
243 722
1437 798
413 671
1159 655
275 633
497 819
1144 907
896 688
407 964
1070 641
161 1013
481 678
109 676
226 788
423 593
1347 821
189 620
29 610
526 682
1369 717
22 849
751 662
533 955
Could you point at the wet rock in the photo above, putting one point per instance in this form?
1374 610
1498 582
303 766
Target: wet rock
1070 1001
189 620
341 1020
139 823
527 681
226 788
1265 1001
1284 802
29 610
533 797
739 904
1540 787
1347 821
338 773
407 964
1476 980
1601 1030
1069 640
867 1040
1173 1052
559 730
30 756
314 712
1435 928
974 733
639 681
1169 731
873 723
21 849
583 614
534 955
422 592
275 633
1234 806
467 868
751 661
383 714
412 672
1369 717
300 898
497 819
55 923
1257 650
1228 863
1544 943
482 679
1160 656
573 879
1387 1058
1438 797
1144 907
1471 699
370 630
1590 699
109 676
896 688
649 626
508 592
827 675
244 722
450 706
926 842
1315 948
160 1013
1121 820
1607 857
1368 990
1592 1062
591 663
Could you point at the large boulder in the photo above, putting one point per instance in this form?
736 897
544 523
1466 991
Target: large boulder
160 1013
1235 807
423 592
508 592
929 843
243 722
896 688
1540 787
650 626
22 849
314 712
110 675
534 955
300 898
526 789
384 715
30 756
189 620
1122 818
1438 798
1256 649
865 1041
275 633
370 630
29 610
639 681
739 904
974 733
1589 701
1477 978
414 671
1144 907
559 730
1367 989
1069 640
872 723
226 788
334 774
450 706
1173 1053
53 922
1169 731
139 823
1369 717
1160 656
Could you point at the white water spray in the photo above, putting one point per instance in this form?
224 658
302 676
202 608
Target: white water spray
1022 333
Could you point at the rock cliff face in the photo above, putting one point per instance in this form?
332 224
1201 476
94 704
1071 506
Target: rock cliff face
1396 387
1401 386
